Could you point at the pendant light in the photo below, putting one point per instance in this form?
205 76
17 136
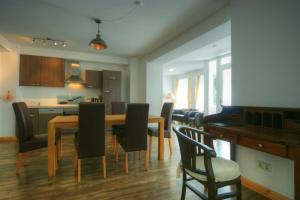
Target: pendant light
98 43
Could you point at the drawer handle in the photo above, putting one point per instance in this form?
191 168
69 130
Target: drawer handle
107 91
221 135
260 145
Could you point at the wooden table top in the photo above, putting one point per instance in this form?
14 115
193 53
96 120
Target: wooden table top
109 119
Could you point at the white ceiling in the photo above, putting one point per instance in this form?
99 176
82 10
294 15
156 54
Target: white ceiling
146 28
196 60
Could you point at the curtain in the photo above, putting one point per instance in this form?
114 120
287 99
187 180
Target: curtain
197 80
190 100
176 92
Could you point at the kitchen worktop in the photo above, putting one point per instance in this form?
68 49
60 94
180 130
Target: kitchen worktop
53 106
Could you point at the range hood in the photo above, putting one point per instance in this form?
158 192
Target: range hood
73 72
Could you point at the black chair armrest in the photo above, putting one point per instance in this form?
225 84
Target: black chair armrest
199 119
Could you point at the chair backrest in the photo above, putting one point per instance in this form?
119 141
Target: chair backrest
191 143
166 112
24 123
91 134
118 107
136 126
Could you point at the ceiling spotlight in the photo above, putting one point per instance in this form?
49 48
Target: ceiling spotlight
44 43
98 43
64 44
171 70
55 43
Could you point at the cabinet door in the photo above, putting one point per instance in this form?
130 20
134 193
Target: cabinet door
52 72
30 73
44 118
34 116
92 79
111 88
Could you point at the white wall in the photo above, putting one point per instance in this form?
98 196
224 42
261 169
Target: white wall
9 79
154 88
265 72
137 86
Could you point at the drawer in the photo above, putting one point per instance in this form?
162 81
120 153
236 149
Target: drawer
264 146
223 135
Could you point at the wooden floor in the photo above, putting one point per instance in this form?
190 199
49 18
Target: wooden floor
159 182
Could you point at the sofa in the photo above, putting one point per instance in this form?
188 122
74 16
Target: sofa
191 117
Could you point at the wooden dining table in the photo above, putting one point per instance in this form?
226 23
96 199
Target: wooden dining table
60 122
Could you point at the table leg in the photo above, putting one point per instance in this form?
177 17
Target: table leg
161 140
51 150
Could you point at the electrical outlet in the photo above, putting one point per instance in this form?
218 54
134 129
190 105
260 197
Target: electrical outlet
264 166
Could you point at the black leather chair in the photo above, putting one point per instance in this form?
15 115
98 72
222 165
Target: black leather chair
90 141
166 112
26 140
117 108
133 137
200 163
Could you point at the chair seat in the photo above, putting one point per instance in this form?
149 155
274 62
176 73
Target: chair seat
37 142
153 131
224 170
117 128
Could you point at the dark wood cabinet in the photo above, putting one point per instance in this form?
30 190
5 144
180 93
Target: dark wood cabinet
111 88
41 71
92 79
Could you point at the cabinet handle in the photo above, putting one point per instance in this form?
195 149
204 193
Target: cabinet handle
106 91
260 145
221 135
32 115
113 78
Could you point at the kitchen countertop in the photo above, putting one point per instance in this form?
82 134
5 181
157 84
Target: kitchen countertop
53 106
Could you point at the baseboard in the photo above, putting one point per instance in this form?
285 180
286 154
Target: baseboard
8 138
263 190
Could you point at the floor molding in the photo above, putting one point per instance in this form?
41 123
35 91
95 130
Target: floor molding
8 139
260 189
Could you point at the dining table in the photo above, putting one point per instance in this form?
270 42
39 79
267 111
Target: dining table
61 122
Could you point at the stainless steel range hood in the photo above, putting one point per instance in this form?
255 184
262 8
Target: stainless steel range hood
73 72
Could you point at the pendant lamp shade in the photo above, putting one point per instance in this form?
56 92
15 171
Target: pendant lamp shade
98 43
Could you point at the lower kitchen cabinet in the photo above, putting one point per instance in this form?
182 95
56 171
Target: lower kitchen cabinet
34 116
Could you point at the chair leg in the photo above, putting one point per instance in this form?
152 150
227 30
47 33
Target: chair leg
126 162
146 160
239 190
183 185
78 170
59 145
19 163
150 147
212 192
103 166
170 145
117 151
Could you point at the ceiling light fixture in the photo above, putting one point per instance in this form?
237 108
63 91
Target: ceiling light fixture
172 70
98 43
48 42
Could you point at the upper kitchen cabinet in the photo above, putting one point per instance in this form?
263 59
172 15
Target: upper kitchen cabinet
92 79
41 71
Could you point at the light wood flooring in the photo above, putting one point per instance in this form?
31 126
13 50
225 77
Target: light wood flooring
159 182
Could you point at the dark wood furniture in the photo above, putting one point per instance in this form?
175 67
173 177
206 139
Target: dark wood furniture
133 137
90 140
41 71
110 88
92 79
272 130
199 161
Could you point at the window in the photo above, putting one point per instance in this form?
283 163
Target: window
200 94
225 60
182 93
226 87
212 91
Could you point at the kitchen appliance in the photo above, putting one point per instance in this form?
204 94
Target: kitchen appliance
73 72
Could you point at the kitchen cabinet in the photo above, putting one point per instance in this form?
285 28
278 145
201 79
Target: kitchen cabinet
111 88
45 115
92 79
41 71
34 116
